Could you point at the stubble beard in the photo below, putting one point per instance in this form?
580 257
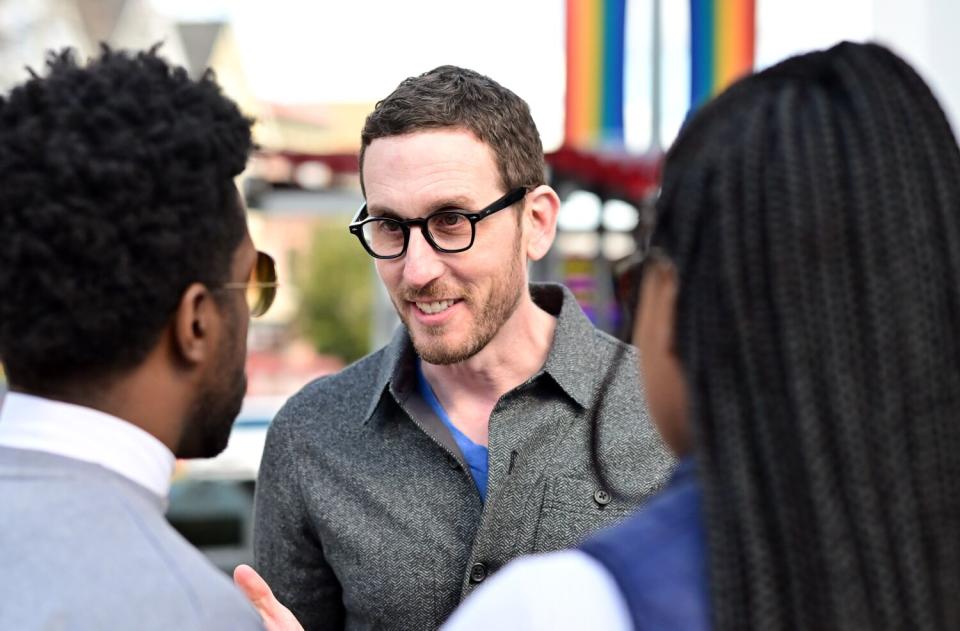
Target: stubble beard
503 300
210 419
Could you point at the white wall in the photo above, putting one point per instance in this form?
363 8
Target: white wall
925 33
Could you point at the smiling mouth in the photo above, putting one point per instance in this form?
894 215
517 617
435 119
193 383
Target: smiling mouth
436 306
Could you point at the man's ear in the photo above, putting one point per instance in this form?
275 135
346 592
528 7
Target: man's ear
194 323
540 220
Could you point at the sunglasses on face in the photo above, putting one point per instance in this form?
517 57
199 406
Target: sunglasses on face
627 276
261 288
627 284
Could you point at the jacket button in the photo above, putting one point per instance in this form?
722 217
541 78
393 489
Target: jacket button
601 497
478 572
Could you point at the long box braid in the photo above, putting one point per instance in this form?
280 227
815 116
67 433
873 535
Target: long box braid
811 211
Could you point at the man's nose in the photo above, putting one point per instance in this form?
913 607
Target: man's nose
421 263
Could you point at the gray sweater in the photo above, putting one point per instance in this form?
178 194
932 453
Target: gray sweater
367 517
84 548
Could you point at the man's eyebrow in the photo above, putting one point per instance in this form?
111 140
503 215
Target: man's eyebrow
377 211
459 202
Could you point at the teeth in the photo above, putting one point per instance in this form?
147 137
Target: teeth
435 307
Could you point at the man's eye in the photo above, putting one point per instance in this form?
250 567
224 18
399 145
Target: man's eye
448 220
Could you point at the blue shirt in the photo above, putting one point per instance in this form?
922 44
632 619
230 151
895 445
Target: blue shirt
475 455
658 557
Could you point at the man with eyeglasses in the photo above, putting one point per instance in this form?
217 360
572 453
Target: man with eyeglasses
387 492
125 262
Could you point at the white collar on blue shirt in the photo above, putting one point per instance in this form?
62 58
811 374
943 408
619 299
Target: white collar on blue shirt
82 433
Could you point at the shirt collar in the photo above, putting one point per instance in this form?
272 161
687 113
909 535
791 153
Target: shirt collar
82 433
397 371
573 362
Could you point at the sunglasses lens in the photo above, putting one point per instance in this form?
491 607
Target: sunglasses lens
263 285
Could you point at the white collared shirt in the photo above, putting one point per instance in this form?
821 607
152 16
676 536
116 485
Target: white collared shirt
82 433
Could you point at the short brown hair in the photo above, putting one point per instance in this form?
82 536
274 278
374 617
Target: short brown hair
452 97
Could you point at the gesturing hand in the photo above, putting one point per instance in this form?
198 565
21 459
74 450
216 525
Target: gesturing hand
275 616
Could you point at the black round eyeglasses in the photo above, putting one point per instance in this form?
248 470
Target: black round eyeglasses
447 231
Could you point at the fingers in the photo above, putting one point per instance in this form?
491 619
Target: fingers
252 585
275 616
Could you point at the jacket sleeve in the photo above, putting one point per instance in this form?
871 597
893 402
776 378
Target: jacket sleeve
287 548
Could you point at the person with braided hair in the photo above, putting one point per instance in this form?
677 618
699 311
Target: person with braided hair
798 329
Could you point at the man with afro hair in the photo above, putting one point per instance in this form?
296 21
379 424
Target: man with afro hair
124 260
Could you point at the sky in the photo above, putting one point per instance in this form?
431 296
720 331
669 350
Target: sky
340 51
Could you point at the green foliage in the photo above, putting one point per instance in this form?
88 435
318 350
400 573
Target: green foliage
336 283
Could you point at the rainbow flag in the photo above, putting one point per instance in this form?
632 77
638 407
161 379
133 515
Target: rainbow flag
722 41
595 53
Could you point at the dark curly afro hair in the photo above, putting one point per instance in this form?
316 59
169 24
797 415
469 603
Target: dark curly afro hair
116 193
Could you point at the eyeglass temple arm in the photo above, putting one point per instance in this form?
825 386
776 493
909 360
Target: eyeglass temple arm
262 284
360 216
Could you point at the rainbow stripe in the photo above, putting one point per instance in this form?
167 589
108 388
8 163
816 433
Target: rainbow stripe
595 53
722 38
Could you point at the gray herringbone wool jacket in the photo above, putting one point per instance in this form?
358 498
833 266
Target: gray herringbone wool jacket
367 518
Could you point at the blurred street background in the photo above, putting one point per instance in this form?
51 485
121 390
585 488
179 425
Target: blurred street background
608 95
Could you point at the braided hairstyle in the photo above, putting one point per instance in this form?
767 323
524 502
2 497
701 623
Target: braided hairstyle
812 215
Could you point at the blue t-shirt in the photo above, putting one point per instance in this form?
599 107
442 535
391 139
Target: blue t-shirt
475 455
